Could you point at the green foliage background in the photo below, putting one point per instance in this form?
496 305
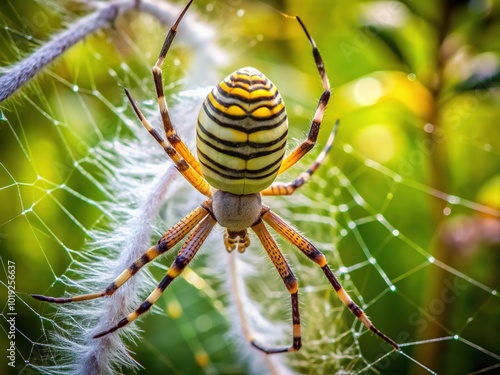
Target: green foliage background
416 89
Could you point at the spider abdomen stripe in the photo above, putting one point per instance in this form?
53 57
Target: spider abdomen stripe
241 133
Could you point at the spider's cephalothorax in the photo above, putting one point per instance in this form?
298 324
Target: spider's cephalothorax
241 139
236 213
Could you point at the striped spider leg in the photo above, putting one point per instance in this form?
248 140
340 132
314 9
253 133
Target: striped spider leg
241 136
308 249
169 240
172 136
199 222
288 232
309 143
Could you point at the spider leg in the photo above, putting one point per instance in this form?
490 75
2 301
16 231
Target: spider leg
280 188
304 245
185 255
169 240
309 143
291 284
186 169
172 136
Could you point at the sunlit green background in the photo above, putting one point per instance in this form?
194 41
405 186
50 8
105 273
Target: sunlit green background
416 89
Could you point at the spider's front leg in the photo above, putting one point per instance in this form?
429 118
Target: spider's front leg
291 284
304 245
185 255
169 240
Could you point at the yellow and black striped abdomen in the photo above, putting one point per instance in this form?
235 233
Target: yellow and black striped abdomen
241 133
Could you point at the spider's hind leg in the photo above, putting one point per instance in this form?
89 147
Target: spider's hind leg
170 132
280 188
304 147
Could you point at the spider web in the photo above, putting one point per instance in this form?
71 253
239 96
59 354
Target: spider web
406 212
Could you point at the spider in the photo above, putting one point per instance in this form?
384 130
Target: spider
241 139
